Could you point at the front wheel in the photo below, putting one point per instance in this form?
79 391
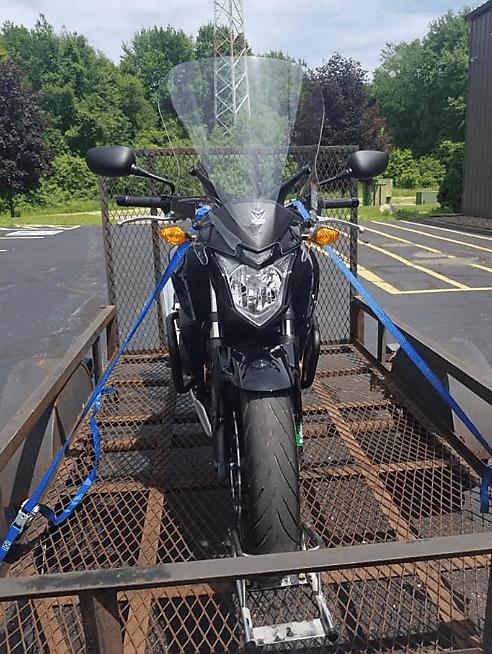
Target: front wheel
270 512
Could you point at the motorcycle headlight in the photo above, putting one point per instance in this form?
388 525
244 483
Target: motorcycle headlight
257 294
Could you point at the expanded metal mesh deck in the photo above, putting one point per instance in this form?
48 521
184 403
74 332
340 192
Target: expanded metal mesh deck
371 473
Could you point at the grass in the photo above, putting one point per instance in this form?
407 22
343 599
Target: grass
403 200
373 213
410 192
88 212
413 213
51 219
76 212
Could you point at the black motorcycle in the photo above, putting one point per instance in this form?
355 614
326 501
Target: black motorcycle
241 322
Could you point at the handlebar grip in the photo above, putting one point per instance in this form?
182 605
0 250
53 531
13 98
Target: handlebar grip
147 202
340 203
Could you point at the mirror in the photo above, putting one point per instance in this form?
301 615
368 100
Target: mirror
111 161
366 164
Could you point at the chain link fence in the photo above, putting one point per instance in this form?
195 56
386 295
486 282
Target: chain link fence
136 257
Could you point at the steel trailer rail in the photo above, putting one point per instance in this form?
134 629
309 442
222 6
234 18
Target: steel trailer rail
24 421
228 570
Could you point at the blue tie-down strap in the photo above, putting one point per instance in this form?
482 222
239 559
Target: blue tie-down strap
32 505
96 440
425 370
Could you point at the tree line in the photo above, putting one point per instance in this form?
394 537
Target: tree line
59 97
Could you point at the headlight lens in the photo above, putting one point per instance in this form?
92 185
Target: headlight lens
257 294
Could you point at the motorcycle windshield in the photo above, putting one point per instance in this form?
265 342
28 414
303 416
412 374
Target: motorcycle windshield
242 114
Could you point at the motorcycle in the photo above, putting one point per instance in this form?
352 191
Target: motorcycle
241 316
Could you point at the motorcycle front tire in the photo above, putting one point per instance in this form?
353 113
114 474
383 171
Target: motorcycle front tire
270 515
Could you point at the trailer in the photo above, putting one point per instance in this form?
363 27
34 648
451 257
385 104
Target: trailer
147 562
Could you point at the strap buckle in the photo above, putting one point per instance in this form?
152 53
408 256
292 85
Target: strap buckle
22 519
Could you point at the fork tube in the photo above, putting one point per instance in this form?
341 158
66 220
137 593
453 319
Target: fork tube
214 318
288 323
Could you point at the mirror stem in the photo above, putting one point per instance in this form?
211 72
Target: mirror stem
343 175
141 172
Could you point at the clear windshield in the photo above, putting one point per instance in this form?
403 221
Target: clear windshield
241 117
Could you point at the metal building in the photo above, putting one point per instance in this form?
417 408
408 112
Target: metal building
477 188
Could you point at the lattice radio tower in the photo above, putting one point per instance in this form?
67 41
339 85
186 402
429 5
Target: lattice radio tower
230 69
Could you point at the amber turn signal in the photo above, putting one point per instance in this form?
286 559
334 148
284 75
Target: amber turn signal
173 235
325 236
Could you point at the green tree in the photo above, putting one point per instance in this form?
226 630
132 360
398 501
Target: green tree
451 189
278 54
420 86
397 90
87 98
204 42
431 171
24 157
409 172
35 50
403 168
70 179
152 53
350 116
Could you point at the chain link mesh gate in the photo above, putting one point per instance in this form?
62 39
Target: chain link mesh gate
136 257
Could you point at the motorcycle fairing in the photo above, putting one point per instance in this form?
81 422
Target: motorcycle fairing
254 225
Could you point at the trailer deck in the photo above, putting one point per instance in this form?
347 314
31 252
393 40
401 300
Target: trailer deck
373 472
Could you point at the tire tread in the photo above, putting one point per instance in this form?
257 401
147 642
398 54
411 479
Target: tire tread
270 475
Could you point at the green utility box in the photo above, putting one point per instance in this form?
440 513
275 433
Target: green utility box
426 197
377 192
384 191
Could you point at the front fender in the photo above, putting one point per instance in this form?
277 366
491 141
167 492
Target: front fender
261 369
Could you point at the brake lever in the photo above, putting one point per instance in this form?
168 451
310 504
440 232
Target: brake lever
136 219
345 223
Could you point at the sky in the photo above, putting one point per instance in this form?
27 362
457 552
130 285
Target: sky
311 30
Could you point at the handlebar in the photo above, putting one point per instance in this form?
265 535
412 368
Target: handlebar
339 203
181 208
147 202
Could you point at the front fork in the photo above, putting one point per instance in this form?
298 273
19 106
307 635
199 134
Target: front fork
224 404
288 330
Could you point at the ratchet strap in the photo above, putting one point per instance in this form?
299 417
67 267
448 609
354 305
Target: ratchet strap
430 376
417 360
32 505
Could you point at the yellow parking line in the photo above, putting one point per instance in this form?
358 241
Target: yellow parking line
440 238
364 273
479 266
374 279
446 290
386 286
451 231
404 240
416 266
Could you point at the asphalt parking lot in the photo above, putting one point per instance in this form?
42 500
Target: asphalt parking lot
52 283
435 279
